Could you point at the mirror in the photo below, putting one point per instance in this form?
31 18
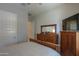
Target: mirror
71 23
48 28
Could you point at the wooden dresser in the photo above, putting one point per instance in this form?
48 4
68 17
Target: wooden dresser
48 37
69 43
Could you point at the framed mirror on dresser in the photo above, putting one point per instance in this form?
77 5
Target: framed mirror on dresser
49 28
49 34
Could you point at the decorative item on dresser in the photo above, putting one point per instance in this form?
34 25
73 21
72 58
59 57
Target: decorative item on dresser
69 43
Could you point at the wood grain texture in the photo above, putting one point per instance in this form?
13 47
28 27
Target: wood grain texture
48 37
48 44
68 43
77 43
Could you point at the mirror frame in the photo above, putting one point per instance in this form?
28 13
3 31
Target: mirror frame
55 25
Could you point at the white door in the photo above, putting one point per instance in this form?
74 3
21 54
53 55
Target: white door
8 28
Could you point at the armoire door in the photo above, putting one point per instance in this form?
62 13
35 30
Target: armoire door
68 43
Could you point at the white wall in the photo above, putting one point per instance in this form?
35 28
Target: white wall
55 16
31 27
22 19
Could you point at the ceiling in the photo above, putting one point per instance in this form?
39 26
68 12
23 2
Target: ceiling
36 8
33 8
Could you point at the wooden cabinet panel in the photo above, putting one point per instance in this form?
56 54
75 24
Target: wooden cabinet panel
68 43
48 37
40 37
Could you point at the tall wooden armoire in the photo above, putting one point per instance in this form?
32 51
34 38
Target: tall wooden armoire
69 43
